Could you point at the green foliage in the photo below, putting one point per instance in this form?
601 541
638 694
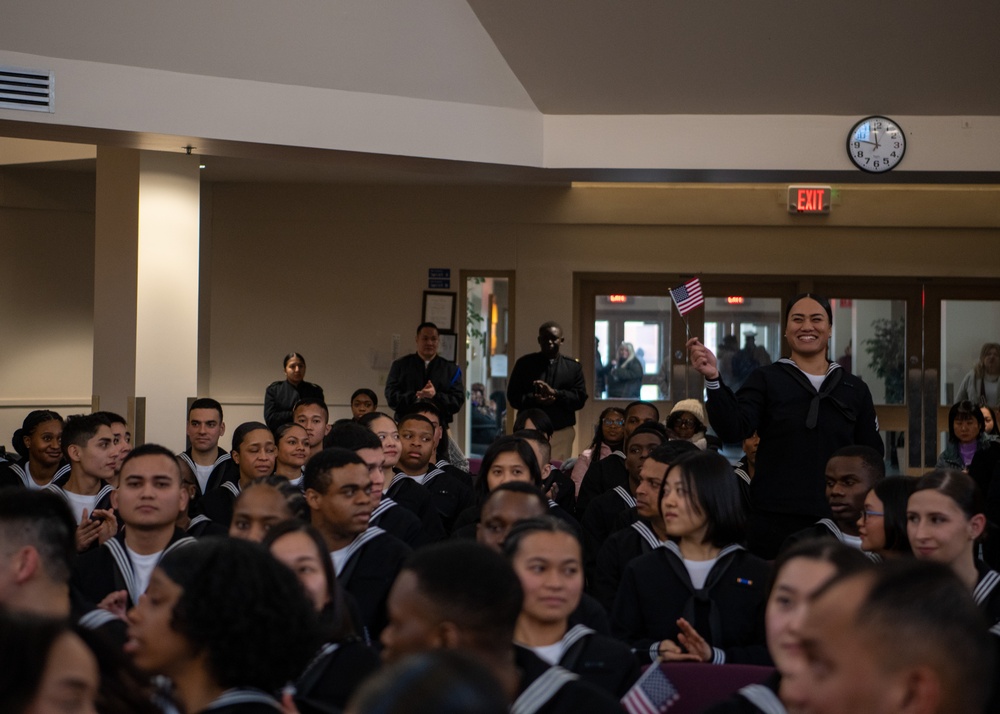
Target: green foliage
887 351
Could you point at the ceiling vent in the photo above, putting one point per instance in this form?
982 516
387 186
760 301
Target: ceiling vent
28 89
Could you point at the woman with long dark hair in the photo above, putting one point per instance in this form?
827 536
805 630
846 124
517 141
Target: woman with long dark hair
609 436
343 661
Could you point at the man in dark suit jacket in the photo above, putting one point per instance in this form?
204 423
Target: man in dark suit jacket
553 383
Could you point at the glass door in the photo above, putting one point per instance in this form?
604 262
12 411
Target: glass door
487 330
962 360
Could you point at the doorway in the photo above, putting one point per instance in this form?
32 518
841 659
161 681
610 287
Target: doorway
913 341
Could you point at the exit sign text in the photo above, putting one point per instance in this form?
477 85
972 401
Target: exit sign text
809 199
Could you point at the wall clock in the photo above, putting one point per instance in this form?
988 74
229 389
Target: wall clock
876 144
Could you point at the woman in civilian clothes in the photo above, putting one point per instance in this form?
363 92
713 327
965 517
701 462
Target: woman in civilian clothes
701 597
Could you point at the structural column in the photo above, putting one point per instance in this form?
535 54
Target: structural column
146 289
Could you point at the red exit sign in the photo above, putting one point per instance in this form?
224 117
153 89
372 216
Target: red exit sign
809 199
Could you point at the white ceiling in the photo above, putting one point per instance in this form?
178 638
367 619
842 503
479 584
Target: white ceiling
592 57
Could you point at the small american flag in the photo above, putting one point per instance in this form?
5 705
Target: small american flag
653 693
687 296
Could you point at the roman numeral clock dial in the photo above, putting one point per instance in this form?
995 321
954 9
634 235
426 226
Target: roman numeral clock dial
876 144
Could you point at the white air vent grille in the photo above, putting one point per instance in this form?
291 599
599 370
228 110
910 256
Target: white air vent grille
28 89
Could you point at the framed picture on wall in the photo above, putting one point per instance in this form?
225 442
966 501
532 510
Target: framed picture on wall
448 345
439 308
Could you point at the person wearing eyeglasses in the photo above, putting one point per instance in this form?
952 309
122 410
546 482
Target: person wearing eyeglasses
609 435
882 525
851 473
688 421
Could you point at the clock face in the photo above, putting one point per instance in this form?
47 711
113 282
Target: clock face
876 144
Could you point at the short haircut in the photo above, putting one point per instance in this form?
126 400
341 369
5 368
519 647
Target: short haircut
290 356
872 460
205 403
41 519
415 417
31 422
272 606
422 325
540 419
312 401
520 487
713 491
894 492
649 427
434 682
81 428
471 586
244 429
112 417
317 472
964 410
351 436
632 405
368 393
546 326
536 437
918 613
152 450
957 486
542 524
669 451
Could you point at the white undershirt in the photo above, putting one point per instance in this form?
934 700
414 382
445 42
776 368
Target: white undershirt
419 479
339 558
296 481
698 571
815 379
142 568
32 486
550 653
853 541
202 473
78 503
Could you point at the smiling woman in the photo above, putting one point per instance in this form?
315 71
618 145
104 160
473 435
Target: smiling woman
803 408
548 559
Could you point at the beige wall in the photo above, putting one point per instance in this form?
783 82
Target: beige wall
46 293
335 271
